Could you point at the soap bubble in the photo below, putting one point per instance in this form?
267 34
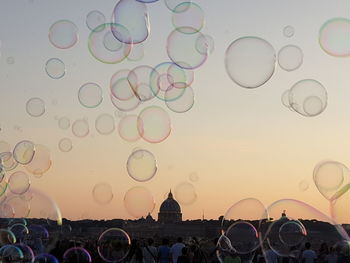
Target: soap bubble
188 18
127 128
185 193
133 15
55 68
141 165
65 145
7 161
139 202
250 61
102 193
205 44
334 37
243 237
19 182
41 161
172 4
154 124
80 128
90 95
104 47
104 124
94 19
24 152
308 97
76 254
184 103
35 107
181 49
290 57
113 245
64 123
139 80
63 34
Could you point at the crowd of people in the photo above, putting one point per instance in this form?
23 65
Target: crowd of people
195 251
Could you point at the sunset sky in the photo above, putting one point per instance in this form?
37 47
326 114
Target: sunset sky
240 142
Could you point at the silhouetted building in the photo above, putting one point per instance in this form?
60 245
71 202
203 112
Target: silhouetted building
170 211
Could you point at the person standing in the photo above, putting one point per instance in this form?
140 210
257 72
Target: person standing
176 249
150 252
308 255
164 251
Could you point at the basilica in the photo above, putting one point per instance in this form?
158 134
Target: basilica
169 211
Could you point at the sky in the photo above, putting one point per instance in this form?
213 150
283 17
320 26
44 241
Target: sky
241 143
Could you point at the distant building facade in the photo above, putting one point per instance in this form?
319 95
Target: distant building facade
169 211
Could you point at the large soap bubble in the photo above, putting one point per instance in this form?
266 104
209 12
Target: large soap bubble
334 37
41 162
113 245
188 18
63 34
127 128
185 193
24 152
250 61
308 97
141 165
290 57
19 182
139 201
102 193
90 95
132 15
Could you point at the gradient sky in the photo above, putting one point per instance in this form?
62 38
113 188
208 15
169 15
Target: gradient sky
241 143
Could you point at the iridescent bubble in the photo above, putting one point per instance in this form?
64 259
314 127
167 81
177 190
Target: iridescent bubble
188 18
120 86
113 245
292 233
154 124
290 57
28 254
139 202
47 258
286 239
137 52
172 4
127 128
76 254
55 68
102 193
248 209
94 19
334 37
205 44
65 145
288 31
19 182
35 107
181 49
133 15
185 193
250 61
243 237
308 97
63 34
139 80
104 124
6 237
303 185
80 128
184 103
11 253
105 48
7 161
41 161
64 123
178 77
141 165
90 95
19 230
24 152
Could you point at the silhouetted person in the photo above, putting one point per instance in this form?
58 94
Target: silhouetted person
150 253
176 249
322 253
135 255
164 251
332 257
308 255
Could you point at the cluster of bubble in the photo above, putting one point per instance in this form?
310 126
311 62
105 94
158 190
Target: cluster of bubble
248 225
170 82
